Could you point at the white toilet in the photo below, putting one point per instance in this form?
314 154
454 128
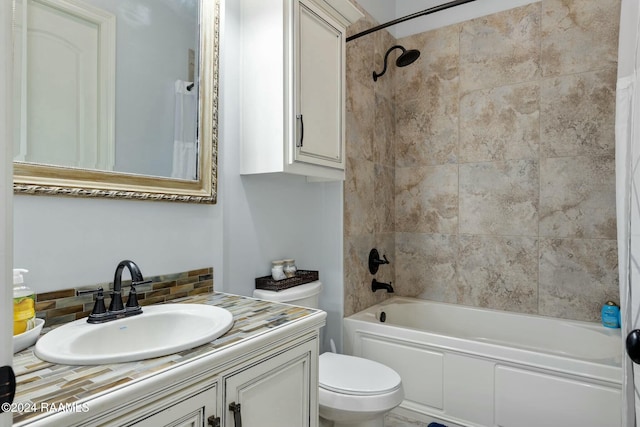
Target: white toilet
354 392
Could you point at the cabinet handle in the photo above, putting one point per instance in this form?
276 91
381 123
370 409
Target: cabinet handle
237 418
213 421
299 144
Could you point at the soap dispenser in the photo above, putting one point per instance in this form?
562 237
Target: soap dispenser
24 303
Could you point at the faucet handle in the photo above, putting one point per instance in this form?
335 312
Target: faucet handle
99 312
133 307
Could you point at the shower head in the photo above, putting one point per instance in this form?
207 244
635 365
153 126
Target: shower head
407 57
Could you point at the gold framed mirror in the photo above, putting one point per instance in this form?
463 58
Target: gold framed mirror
49 178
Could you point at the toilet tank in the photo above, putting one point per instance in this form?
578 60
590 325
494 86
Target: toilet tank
306 295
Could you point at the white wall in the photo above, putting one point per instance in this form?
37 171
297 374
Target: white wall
269 217
67 242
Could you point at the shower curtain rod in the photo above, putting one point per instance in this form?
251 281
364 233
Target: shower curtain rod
409 17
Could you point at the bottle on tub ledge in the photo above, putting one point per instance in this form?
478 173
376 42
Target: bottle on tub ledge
610 315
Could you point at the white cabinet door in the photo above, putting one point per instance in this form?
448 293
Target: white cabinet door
320 103
292 74
278 392
195 411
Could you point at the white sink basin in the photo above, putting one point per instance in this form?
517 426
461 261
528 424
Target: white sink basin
158 331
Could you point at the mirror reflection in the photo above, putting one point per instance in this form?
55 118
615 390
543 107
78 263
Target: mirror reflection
108 85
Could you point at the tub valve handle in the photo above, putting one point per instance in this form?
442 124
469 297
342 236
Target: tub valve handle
375 261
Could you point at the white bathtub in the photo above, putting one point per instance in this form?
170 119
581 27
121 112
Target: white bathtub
477 367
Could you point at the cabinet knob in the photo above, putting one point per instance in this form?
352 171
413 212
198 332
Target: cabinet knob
213 421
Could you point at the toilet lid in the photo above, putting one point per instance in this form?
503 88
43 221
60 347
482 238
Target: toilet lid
356 376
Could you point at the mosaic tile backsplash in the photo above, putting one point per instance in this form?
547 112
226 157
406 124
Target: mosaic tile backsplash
65 305
485 171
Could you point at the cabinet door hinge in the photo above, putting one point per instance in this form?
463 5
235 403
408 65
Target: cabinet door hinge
7 385
213 421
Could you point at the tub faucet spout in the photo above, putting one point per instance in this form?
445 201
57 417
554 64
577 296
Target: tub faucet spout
375 285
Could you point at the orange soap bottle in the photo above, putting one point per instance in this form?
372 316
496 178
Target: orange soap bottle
24 303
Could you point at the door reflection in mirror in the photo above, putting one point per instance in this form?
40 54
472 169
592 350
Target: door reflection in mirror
95 84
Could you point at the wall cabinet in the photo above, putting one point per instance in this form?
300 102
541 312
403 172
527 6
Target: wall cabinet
292 80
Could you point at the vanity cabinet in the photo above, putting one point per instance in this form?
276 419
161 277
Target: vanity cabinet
275 392
195 410
292 75
273 388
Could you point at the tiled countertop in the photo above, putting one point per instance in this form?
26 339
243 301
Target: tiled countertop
41 382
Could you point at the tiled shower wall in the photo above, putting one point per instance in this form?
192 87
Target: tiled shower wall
370 177
503 190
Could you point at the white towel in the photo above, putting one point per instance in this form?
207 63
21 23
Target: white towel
185 145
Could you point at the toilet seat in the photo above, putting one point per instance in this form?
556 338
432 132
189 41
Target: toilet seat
355 376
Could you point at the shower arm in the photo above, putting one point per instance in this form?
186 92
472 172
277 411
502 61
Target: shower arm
386 57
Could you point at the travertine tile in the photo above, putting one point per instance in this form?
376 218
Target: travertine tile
500 134
498 272
427 128
426 266
499 198
384 199
426 199
369 189
579 35
360 112
500 124
500 49
577 277
385 243
357 285
360 54
384 131
577 114
359 197
382 42
426 100
578 197
439 55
